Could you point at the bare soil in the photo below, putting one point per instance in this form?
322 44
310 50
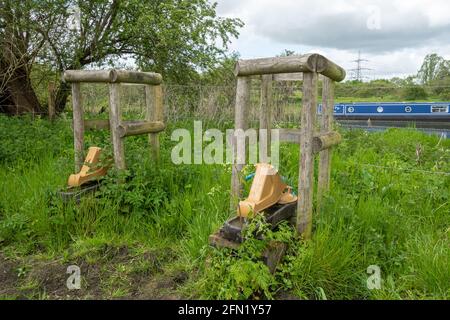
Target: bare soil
37 279
8 278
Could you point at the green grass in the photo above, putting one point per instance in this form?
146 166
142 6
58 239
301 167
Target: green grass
396 216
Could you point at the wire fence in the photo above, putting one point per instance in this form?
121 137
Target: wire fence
216 103
209 103
405 170
181 102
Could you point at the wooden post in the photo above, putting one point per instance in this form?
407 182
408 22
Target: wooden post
325 141
240 122
51 101
321 141
78 126
114 122
265 121
112 76
136 129
312 62
154 103
326 124
306 167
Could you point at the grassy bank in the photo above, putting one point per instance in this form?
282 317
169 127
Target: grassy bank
147 238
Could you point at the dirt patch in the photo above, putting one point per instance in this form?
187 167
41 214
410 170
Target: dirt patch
106 273
163 287
286 295
115 254
51 278
9 277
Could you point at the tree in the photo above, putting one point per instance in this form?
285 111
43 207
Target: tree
434 67
288 53
435 72
20 44
222 73
174 37
414 92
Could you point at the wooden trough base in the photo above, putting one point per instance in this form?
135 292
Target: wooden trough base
272 254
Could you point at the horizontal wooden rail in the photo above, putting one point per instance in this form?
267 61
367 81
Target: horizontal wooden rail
96 124
134 129
113 76
102 124
320 142
326 140
306 63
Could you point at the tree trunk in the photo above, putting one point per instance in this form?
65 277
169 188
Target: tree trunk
6 103
19 96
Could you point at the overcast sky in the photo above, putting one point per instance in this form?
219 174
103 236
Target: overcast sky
394 35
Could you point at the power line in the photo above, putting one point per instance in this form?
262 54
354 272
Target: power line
358 71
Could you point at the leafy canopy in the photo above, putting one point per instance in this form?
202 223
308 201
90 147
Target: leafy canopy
174 37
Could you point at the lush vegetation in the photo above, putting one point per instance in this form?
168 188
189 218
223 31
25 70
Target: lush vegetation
144 233
388 206
177 38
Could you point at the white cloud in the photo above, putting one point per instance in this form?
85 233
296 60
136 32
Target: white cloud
394 35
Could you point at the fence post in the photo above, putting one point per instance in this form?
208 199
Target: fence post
326 124
240 120
114 122
265 117
78 126
306 166
51 101
154 102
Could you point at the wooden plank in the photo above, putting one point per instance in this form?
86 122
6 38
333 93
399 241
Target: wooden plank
127 76
265 122
325 141
306 167
273 65
96 124
154 102
78 126
103 124
273 254
112 76
320 142
240 122
135 129
326 125
75 76
114 122
305 63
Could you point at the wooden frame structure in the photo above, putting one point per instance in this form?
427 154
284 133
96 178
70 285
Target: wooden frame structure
152 125
306 68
